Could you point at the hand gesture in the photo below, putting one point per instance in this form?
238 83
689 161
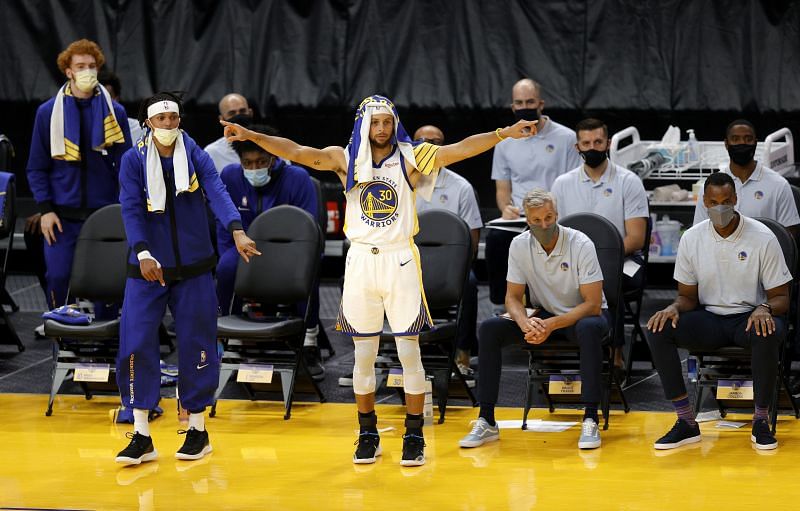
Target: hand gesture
540 330
234 132
659 319
763 322
49 223
522 129
510 212
151 271
33 224
244 245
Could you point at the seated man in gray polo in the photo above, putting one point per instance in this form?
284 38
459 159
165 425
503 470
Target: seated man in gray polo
761 191
560 268
455 194
733 288
599 186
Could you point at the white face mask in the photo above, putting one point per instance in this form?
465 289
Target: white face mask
166 137
85 80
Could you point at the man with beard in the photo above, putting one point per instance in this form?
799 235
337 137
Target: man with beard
382 171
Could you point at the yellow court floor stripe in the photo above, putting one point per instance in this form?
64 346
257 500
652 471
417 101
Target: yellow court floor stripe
261 461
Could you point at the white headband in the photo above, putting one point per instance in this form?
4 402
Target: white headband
378 108
161 107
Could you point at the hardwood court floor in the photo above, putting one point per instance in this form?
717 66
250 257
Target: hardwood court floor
263 462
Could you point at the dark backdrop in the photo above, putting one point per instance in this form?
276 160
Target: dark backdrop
304 65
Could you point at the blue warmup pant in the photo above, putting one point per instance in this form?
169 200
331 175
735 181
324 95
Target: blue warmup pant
58 267
194 305
226 278
58 262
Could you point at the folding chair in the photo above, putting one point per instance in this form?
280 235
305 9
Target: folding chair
557 354
99 272
733 362
445 249
291 245
8 220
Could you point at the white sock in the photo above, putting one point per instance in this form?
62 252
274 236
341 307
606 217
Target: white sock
140 423
311 336
197 421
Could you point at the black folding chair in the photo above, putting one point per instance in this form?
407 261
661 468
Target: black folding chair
557 354
99 271
733 362
8 220
445 249
291 243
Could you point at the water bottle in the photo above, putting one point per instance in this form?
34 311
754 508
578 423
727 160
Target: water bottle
691 369
427 409
652 161
693 148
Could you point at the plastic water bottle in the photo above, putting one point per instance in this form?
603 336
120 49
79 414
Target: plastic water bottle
427 409
693 148
652 161
691 369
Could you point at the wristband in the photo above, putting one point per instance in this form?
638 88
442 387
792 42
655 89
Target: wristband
497 132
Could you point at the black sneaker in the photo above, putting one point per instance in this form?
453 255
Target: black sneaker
762 436
413 451
314 363
368 448
195 446
682 433
346 380
139 450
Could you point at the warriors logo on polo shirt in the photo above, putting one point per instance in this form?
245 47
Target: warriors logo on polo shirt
564 266
550 148
607 192
443 198
743 256
759 195
379 202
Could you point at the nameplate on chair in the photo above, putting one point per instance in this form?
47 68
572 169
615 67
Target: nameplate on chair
91 373
395 378
254 373
563 384
735 389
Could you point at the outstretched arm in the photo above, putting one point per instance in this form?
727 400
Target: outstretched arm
476 144
331 158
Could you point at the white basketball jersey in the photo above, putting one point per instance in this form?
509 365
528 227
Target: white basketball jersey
382 211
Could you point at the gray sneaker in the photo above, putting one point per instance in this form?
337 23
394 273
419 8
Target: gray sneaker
481 433
590 435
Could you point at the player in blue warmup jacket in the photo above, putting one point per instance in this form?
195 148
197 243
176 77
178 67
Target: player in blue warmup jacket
79 137
164 184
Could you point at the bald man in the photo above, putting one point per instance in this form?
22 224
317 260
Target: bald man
233 107
519 166
455 194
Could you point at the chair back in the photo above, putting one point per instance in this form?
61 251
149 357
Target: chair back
786 241
290 243
610 253
445 249
100 265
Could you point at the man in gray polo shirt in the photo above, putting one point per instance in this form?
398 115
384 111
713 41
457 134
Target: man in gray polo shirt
233 107
455 194
520 167
601 187
733 289
761 191
560 268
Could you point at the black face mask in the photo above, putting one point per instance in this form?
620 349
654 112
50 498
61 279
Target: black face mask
241 119
742 154
527 114
593 157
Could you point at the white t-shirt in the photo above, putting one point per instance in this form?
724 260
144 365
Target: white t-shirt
222 153
554 279
618 195
765 194
731 274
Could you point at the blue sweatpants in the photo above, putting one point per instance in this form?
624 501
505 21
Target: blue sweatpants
58 259
193 303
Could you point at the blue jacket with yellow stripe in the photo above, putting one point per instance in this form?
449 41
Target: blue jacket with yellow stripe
178 237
